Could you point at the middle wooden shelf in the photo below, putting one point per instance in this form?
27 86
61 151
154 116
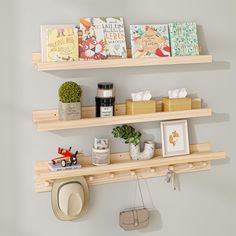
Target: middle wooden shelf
47 120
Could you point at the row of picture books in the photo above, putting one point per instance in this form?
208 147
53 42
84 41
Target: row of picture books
99 38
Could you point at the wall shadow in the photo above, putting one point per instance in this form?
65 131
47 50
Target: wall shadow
137 71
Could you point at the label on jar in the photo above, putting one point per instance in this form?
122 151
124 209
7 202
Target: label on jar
101 158
107 93
106 111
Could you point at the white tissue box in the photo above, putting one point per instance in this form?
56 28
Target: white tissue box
176 104
140 107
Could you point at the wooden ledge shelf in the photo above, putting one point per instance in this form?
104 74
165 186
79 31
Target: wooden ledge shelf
117 63
124 169
47 120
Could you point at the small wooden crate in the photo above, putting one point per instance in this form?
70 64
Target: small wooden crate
176 104
140 107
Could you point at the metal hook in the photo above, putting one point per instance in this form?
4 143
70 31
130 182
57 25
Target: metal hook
171 178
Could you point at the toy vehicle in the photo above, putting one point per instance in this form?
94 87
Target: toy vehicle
66 157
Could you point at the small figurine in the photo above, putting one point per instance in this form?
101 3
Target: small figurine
66 157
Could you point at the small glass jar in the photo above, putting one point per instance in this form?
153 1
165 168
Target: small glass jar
105 107
101 157
105 90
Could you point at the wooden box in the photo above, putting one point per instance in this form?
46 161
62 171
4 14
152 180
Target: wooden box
140 107
176 104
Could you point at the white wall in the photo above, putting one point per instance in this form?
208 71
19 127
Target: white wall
206 204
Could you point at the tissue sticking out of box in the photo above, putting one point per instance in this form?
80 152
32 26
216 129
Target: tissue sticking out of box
141 96
177 93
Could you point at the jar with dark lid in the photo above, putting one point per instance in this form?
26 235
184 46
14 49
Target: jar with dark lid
105 90
105 107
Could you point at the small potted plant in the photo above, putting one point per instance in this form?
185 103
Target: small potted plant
69 105
132 137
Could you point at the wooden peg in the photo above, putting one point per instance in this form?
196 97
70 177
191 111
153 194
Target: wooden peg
132 172
47 183
171 168
112 175
190 165
91 178
152 170
204 163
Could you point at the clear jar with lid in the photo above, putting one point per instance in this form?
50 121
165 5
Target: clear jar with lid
105 90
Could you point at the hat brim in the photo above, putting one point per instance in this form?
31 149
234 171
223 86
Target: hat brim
55 201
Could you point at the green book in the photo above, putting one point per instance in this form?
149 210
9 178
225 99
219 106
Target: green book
183 39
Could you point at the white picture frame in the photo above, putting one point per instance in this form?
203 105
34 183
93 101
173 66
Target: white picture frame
175 139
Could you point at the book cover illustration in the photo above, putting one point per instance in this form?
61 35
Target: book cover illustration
114 35
150 40
91 41
59 43
183 38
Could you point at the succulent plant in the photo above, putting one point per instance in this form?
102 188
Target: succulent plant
69 92
128 133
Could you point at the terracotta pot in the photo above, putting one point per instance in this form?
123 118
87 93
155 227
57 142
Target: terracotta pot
69 111
146 154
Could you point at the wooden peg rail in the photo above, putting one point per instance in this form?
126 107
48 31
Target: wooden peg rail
47 120
124 169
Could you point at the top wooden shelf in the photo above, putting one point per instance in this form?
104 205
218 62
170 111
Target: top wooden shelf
117 63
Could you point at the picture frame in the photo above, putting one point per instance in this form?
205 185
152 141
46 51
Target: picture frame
175 139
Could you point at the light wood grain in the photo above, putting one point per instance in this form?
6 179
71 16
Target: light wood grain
90 111
46 186
116 63
121 167
47 120
50 125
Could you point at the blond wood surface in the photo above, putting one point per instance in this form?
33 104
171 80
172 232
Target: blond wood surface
115 63
89 111
123 119
122 168
47 120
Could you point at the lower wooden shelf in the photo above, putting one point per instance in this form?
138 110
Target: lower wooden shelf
124 169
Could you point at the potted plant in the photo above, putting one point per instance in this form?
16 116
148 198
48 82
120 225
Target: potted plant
132 137
69 105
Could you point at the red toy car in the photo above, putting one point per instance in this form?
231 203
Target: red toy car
66 157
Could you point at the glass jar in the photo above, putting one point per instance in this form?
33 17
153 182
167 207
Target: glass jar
105 107
101 157
105 90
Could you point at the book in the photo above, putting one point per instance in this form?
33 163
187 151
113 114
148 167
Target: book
91 41
59 43
102 38
58 167
150 40
114 35
183 39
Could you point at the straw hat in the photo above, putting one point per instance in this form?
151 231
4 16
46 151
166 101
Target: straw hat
70 198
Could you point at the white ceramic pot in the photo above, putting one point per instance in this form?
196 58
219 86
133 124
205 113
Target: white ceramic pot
69 111
147 153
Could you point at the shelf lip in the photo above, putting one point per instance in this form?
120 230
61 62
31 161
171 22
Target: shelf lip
134 165
122 119
117 63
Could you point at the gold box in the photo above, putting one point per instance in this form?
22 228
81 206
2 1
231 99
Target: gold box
176 104
140 107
